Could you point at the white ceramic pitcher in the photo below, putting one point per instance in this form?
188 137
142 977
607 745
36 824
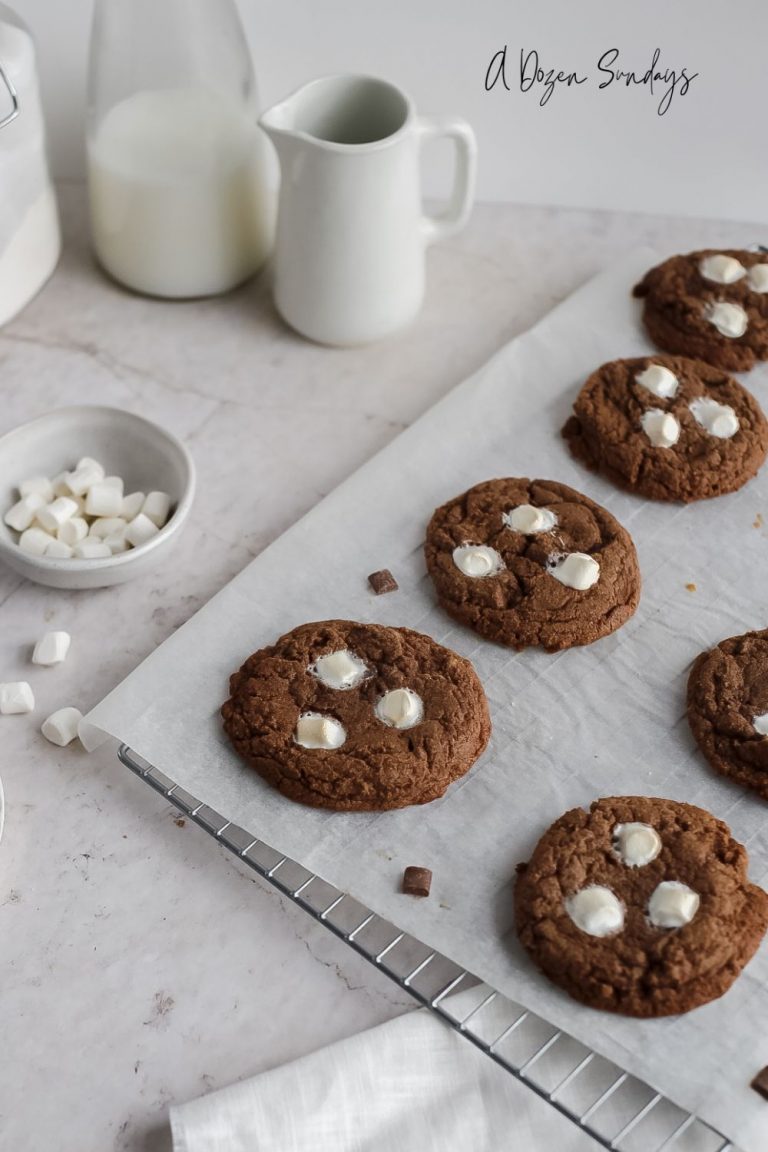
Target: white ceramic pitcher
351 234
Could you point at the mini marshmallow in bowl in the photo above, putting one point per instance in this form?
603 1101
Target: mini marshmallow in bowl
90 519
132 484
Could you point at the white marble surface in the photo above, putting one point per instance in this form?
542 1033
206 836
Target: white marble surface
141 964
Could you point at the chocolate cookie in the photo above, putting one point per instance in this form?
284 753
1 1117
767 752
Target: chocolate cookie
640 906
532 562
728 708
668 428
712 305
357 717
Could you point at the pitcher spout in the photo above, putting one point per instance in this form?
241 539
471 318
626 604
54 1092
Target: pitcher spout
279 120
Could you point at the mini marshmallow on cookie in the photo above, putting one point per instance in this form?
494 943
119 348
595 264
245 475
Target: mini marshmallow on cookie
661 428
477 560
529 520
316 731
575 570
757 278
730 319
722 269
719 420
658 380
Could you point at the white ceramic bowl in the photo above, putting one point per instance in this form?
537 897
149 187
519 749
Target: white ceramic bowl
147 458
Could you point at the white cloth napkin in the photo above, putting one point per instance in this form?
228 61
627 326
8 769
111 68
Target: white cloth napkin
410 1085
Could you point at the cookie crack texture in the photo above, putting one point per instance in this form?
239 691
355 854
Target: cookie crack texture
523 604
379 766
642 970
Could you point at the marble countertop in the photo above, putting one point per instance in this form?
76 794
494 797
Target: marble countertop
142 964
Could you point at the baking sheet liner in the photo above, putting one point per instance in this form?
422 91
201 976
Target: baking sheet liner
608 719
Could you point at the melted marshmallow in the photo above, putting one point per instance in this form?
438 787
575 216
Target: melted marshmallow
575 570
760 724
757 278
720 420
340 669
596 911
658 380
477 560
722 269
400 708
729 319
672 904
316 731
529 520
661 428
636 844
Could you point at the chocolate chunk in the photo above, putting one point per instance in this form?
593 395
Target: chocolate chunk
417 881
760 1083
382 582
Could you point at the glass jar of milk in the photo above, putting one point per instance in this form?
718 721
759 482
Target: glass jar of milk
181 189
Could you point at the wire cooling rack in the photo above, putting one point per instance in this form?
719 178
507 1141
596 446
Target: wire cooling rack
620 1112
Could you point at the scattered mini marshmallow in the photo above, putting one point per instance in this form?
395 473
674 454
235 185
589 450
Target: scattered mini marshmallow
157 506
15 698
52 516
87 473
73 531
38 486
52 648
35 541
89 549
61 726
140 530
21 515
104 499
107 526
132 505
58 550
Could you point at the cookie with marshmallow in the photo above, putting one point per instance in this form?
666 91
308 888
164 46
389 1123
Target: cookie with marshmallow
357 717
668 428
640 906
728 708
532 562
711 305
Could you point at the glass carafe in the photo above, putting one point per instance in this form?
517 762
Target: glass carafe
181 196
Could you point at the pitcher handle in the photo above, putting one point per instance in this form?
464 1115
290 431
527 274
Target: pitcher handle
455 215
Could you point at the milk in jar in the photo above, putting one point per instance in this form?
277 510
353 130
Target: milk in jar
180 195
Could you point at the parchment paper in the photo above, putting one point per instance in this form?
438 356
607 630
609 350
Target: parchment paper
608 719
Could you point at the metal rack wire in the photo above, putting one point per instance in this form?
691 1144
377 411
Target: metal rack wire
617 1110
